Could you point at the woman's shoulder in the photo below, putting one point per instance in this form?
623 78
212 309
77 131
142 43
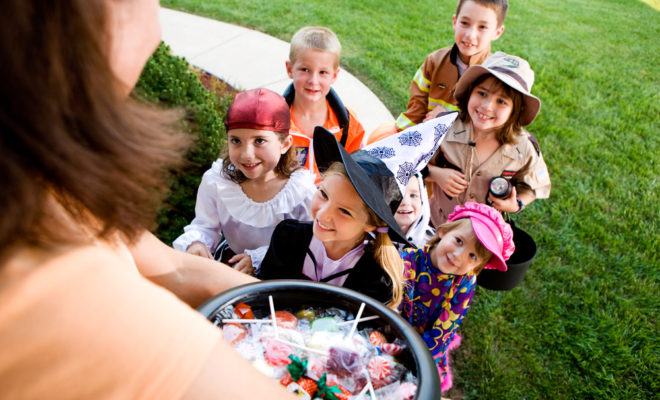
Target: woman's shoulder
81 295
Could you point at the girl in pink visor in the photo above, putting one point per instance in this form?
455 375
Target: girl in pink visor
440 278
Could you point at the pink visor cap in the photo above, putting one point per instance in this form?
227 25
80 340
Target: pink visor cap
490 229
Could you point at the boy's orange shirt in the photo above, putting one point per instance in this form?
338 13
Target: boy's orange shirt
303 143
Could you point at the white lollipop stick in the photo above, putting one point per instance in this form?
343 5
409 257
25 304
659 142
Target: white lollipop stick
357 319
365 319
272 314
370 385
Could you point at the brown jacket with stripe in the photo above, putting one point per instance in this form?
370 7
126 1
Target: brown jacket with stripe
434 84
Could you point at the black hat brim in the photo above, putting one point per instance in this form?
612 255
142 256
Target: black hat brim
372 180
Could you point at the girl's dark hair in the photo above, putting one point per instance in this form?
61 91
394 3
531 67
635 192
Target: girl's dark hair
287 165
79 161
512 127
482 252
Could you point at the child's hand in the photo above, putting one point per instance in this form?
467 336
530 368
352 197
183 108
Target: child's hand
434 113
510 204
451 182
243 263
199 249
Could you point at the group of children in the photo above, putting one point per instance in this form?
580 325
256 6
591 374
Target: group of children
297 195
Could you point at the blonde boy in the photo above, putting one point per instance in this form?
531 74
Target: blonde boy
313 65
476 24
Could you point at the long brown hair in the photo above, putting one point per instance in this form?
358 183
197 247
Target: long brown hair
384 251
507 133
75 155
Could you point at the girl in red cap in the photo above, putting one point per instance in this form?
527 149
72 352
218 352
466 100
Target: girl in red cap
440 278
257 184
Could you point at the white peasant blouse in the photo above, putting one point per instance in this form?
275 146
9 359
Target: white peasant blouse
223 208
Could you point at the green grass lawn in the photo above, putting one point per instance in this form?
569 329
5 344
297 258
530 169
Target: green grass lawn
584 323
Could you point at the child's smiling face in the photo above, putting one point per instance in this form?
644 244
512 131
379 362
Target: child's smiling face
340 216
475 27
456 253
411 206
255 152
489 107
313 73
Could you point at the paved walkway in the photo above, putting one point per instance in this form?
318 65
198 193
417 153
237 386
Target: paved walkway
248 59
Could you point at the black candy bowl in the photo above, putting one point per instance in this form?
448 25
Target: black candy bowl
296 293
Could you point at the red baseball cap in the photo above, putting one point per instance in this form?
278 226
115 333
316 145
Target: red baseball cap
260 109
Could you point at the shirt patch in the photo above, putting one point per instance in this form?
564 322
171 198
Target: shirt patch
541 173
508 174
301 155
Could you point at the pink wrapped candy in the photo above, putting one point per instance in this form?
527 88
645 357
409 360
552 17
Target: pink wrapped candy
277 353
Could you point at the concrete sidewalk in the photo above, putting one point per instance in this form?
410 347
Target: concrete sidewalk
248 59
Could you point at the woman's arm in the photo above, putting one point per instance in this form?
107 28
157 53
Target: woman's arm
193 279
226 375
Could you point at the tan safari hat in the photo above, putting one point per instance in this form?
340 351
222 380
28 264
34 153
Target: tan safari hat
513 71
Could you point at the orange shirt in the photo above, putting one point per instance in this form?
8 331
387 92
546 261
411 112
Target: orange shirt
303 143
86 325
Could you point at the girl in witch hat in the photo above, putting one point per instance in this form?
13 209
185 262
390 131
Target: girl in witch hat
350 241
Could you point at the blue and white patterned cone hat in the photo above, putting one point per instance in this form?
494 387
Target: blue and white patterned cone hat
408 152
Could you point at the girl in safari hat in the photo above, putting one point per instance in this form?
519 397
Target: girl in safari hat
440 278
488 140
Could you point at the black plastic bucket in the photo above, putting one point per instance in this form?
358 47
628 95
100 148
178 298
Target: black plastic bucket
517 265
294 294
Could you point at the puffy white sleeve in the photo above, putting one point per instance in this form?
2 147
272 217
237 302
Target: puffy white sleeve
206 227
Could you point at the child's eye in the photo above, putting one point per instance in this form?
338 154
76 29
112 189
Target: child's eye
234 141
481 93
482 27
414 195
459 241
345 211
323 194
260 141
502 102
473 257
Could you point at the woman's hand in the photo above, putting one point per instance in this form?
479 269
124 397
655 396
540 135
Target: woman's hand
243 263
451 182
199 249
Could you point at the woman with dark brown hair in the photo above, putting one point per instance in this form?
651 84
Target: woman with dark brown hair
82 170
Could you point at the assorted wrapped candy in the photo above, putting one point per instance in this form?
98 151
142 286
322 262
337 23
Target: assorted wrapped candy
320 353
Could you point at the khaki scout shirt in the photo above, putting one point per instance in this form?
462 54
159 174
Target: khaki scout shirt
434 85
520 162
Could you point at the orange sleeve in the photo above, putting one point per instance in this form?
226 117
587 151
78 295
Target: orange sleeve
355 132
